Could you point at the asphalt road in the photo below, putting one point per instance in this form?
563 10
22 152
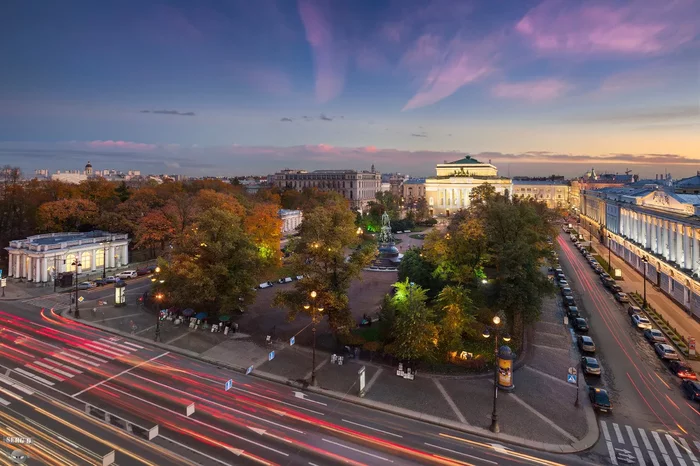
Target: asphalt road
652 422
61 381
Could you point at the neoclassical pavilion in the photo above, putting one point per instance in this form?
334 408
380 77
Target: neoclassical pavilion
39 258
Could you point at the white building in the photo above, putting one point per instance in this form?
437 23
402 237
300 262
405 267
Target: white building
554 193
654 222
39 258
291 219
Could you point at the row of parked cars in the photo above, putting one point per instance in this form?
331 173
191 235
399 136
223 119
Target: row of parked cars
665 352
281 281
125 275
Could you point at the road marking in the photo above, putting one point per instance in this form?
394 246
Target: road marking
689 451
63 357
69 368
52 368
82 354
633 439
173 340
373 379
544 418
606 433
664 453
618 433
19 370
645 439
119 317
302 396
460 453
635 445
318 368
45 372
121 373
119 345
450 402
8 381
113 351
373 428
126 342
145 330
199 452
358 450
4 401
672 442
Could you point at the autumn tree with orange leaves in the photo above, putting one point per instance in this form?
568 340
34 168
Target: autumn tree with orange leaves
68 215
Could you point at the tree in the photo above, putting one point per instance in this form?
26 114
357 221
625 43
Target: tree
214 266
416 268
123 192
100 191
154 231
264 226
481 194
422 210
327 233
208 198
456 317
414 332
291 199
67 215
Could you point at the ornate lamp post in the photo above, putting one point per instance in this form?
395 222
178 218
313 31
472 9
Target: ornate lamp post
105 246
609 264
158 297
76 263
497 331
645 261
314 309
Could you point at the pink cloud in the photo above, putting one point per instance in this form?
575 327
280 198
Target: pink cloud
330 61
121 145
640 27
544 89
457 64
424 51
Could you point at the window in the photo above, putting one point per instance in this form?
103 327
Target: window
70 258
86 261
100 258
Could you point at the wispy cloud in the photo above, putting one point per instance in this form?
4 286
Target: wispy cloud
286 119
646 115
325 118
637 27
419 135
168 112
329 60
533 91
117 145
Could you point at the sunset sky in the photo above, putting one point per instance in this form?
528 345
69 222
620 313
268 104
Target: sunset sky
250 87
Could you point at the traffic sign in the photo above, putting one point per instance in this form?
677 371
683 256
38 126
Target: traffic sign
572 371
249 370
271 356
3 282
229 384
571 378
291 341
81 299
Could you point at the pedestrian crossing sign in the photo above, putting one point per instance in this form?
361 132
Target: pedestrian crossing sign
571 378
229 384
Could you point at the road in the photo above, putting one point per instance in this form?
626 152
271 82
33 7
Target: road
60 381
652 423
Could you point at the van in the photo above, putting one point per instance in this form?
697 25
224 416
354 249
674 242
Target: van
127 274
284 280
264 285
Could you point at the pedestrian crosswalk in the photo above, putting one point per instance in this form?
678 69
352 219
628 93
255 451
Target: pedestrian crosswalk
11 391
57 301
67 363
629 445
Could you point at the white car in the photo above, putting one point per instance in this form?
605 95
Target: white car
665 351
640 321
125 275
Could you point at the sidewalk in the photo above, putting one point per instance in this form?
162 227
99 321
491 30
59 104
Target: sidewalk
539 413
676 316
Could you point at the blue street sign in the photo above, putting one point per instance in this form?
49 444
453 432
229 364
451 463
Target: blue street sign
229 384
249 370
571 378
271 356
291 341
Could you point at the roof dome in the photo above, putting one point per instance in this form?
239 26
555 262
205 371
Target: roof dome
89 165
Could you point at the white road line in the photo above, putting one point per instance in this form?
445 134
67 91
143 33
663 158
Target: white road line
689 451
19 370
114 352
66 360
64 366
121 373
119 317
373 428
55 369
630 434
697 444
102 346
671 441
13 384
126 342
662 448
611 452
45 373
118 345
358 450
534 411
374 379
73 360
450 402
618 433
645 439
82 354
145 330
10 394
635 445
652 457
606 432
4 402
460 453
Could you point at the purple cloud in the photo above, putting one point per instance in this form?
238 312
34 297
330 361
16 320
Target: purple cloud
329 61
533 91
639 27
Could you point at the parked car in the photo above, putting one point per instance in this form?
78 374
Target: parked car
572 312
682 370
152 268
622 297
566 291
665 351
691 389
590 365
615 289
585 344
285 280
143 271
654 335
127 274
599 399
632 310
101 282
563 283
604 276
111 279
264 285
86 285
569 300
580 325
598 269
640 322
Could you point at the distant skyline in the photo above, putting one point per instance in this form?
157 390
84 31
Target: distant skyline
238 87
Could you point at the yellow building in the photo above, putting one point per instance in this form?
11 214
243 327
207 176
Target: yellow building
554 193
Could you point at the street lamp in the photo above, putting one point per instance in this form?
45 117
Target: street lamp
314 309
609 265
359 231
645 260
76 263
497 331
105 245
159 298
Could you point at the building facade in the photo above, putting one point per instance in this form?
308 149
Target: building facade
413 189
554 193
291 219
450 190
42 257
358 187
655 223
592 180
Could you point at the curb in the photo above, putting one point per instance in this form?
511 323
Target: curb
585 443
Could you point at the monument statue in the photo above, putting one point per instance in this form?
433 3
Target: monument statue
389 255
385 235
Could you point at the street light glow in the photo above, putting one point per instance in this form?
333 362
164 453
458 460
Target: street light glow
306 306
157 270
484 281
496 320
314 294
486 333
506 337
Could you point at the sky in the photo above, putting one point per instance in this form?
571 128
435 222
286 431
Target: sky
241 87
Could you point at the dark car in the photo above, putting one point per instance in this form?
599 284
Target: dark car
617 289
152 268
580 325
682 370
691 389
569 300
599 399
101 282
604 276
609 283
572 312
143 271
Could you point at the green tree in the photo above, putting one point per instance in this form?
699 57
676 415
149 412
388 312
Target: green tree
456 318
416 268
327 234
414 332
422 210
123 192
214 267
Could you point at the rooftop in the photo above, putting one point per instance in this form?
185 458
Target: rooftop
415 181
55 238
466 160
541 182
